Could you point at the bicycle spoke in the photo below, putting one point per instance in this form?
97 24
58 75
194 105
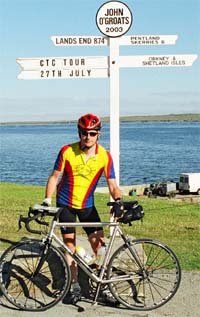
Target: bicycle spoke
149 285
30 288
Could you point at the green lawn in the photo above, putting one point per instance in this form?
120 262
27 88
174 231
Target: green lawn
175 223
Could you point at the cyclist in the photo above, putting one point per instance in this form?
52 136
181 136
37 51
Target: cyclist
76 173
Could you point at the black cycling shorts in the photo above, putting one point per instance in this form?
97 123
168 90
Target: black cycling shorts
69 214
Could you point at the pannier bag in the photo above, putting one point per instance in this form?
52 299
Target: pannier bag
134 212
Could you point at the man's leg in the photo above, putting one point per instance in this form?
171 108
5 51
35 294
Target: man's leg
69 240
96 240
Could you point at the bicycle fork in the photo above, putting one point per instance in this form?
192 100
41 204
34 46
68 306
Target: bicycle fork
135 256
43 258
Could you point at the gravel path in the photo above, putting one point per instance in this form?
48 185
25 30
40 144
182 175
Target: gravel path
186 303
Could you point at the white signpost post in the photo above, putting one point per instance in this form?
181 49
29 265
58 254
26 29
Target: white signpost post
113 19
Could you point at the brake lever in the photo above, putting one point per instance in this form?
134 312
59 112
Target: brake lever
34 213
26 221
19 223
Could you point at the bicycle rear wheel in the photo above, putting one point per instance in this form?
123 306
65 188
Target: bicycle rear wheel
28 289
147 280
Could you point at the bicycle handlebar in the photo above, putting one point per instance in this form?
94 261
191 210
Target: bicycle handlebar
38 211
132 211
126 204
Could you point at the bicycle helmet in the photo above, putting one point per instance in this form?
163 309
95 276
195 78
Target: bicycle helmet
89 122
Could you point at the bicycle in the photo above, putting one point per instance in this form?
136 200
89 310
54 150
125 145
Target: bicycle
141 274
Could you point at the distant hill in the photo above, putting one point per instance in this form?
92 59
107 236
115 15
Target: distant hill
169 117
159 118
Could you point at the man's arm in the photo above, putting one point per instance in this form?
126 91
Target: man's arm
51 184
114 189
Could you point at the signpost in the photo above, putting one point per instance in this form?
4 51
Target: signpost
113 19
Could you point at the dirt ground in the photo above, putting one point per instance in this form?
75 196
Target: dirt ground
186 303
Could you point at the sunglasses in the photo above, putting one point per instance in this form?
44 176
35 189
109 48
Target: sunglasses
86 133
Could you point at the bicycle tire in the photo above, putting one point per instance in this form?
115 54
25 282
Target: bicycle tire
148 285
18 283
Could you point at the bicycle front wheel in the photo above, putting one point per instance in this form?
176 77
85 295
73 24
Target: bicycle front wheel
33 276
146 274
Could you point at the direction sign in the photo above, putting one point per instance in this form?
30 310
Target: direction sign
124 40
40 63
114 18
148 40
64 73
93 66
79 40
157 60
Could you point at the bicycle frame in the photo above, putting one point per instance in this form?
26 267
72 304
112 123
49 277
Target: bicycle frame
100 279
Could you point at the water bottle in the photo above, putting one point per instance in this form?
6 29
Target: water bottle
100 255
82 253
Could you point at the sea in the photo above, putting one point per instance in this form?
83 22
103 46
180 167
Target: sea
150 152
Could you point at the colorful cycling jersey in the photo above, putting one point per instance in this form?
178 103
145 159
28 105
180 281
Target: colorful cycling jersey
81 174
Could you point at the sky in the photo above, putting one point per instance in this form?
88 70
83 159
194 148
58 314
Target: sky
26 27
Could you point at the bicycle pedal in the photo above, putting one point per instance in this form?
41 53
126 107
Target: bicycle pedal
109 299
75 297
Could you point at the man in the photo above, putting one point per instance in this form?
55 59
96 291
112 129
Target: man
79 167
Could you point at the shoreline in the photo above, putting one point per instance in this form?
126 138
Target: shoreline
188 117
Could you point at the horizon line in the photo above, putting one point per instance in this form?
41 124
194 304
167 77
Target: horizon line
130 118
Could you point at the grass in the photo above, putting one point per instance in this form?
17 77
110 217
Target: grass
175 223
